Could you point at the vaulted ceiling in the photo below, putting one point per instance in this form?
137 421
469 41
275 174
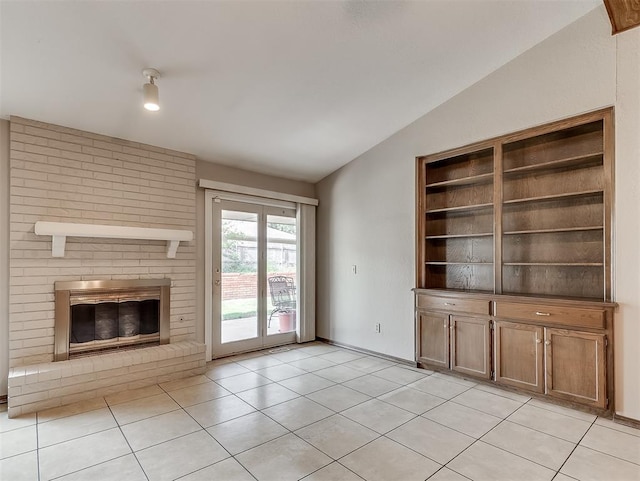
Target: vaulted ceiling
290 88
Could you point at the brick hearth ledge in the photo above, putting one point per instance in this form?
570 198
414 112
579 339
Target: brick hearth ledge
47 385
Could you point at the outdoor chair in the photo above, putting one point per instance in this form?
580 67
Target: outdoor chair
283 295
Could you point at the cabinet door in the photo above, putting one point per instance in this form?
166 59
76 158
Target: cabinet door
519 355
471 346
576 366
433 338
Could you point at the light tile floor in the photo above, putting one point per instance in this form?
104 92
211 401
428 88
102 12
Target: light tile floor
316 412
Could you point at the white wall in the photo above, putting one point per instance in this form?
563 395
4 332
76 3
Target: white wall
366 213
4 256
627 225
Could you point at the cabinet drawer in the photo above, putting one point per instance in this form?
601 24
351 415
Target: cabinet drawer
552 315
450 304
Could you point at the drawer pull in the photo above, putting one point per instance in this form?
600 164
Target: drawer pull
449 304
547 314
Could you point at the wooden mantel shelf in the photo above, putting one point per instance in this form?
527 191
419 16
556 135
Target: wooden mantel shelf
59 231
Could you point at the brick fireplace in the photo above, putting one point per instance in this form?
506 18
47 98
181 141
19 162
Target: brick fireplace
65 175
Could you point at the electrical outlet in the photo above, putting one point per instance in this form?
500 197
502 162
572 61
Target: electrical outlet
378 327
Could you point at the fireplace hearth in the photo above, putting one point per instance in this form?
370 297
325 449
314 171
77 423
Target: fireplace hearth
95 316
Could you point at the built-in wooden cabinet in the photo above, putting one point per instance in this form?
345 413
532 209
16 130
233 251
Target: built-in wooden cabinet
575 366
451 341
519 358
470 345
571 364
433 336
513 255
553 347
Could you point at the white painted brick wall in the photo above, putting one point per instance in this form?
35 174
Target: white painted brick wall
66 175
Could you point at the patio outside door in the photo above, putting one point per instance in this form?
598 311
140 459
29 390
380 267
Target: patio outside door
254 256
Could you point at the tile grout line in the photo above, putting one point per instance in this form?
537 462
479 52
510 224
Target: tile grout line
615 428
86 435
562 474
465 449
183 408
479 387
444 466
496 447
38 446
576 446
538 430
243 415
448 427
231 456
379 435
79 437
323 467
147 418
93 466
516 454
604 453
127 441
560 413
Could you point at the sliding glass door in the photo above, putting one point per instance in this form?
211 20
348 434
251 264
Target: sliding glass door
254 276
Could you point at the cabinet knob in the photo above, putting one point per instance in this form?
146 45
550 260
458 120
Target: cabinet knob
547 343
538 341
449 304
538 313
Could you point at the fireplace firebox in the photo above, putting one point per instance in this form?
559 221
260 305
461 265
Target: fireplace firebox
95 316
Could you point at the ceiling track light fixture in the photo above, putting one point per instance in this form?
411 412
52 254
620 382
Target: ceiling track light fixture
150 90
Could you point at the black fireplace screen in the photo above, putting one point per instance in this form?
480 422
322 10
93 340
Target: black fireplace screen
113 320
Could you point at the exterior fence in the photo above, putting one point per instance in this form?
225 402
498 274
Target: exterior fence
244 285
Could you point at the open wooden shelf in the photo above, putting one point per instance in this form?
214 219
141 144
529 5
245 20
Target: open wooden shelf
446 263
473 179
548 231
567 264
563 195
578 161
458 236
460 208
